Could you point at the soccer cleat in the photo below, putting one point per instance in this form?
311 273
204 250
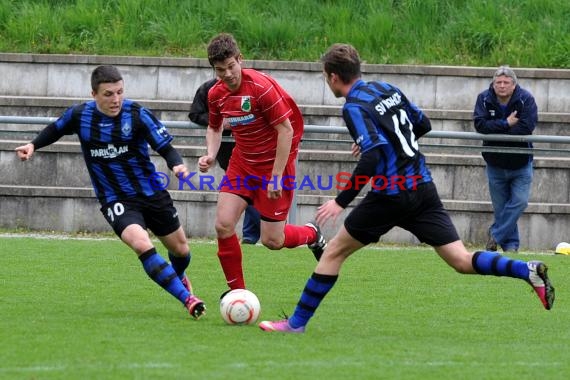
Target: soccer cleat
538 279
195 306
318 247
280 326
187 284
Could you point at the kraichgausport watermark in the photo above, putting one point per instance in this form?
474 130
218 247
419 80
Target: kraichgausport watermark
340 181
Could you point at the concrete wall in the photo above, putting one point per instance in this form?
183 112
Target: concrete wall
53 191
175 79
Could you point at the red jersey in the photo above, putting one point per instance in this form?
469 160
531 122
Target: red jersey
252 111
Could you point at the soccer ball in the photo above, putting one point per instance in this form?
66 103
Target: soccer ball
240 307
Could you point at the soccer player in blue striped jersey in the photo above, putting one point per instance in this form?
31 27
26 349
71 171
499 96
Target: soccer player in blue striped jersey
115 134
385 127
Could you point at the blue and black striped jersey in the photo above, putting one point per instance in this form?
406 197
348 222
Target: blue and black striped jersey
115 149
378 114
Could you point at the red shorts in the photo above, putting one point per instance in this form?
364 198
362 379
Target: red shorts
254 189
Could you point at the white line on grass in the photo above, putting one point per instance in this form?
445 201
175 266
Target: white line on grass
72 237
62 368
394 363
54 236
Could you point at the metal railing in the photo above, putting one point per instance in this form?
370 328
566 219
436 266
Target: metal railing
426 145
334 129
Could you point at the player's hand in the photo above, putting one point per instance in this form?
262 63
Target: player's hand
355 150
274 194
512 119
180 171
25 152
326 211
274 190
205 163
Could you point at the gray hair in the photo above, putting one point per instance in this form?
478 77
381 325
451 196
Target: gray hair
506 71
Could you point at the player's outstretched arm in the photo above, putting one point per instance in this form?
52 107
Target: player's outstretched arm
25 152
47 136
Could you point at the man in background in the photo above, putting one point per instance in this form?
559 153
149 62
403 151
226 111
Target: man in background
506 108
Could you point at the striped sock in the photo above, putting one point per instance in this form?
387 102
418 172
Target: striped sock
163 274
491 263
316 289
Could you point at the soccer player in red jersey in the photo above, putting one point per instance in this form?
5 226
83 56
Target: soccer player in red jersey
267 126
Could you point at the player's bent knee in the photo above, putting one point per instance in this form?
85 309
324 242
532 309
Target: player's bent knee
180 250
224 229
272 243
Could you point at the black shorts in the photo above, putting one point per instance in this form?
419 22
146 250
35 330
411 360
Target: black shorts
157 213
419 211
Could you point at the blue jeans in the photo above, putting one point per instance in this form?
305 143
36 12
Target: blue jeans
510 191
251 225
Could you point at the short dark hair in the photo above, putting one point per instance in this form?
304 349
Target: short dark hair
343 60
222 47
104 74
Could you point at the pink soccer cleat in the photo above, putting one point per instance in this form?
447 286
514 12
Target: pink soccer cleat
195 306
538 279
281 326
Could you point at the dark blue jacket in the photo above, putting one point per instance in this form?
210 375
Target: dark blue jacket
491 118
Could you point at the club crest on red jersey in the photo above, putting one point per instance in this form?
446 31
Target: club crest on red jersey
245 103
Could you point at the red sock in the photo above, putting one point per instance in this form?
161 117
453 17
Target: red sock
229 254
298 235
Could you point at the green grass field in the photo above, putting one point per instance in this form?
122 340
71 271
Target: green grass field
84 309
